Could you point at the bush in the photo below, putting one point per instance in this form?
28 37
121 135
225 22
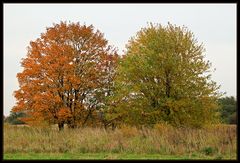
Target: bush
14 118
208 151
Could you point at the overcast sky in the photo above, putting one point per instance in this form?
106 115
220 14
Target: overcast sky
213 24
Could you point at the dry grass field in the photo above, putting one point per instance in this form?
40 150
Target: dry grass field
212 142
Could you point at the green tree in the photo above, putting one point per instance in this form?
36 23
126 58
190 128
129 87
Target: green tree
228 109
164 77
233 118
15 118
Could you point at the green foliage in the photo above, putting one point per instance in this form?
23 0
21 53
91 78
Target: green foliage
14 118
233 118
228 109
164 78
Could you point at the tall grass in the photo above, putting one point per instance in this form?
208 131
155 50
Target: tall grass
218 140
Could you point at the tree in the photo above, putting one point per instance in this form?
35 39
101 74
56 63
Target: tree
64 76
15 118
164 77
228 109
233 118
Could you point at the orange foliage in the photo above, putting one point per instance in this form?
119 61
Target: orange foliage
62 71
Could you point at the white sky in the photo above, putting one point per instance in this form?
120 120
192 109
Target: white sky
213 24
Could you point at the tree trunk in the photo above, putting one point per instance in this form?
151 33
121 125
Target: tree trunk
87 117
61 126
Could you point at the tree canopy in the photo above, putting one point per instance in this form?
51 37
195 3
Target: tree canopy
67 73
164 78
72 76
228 109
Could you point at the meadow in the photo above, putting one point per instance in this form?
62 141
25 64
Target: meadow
161 142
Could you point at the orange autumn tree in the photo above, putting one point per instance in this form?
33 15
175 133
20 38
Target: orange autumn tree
67 74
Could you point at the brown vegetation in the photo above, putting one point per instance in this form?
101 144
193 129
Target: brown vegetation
218 140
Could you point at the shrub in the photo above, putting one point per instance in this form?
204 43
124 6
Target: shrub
208 150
